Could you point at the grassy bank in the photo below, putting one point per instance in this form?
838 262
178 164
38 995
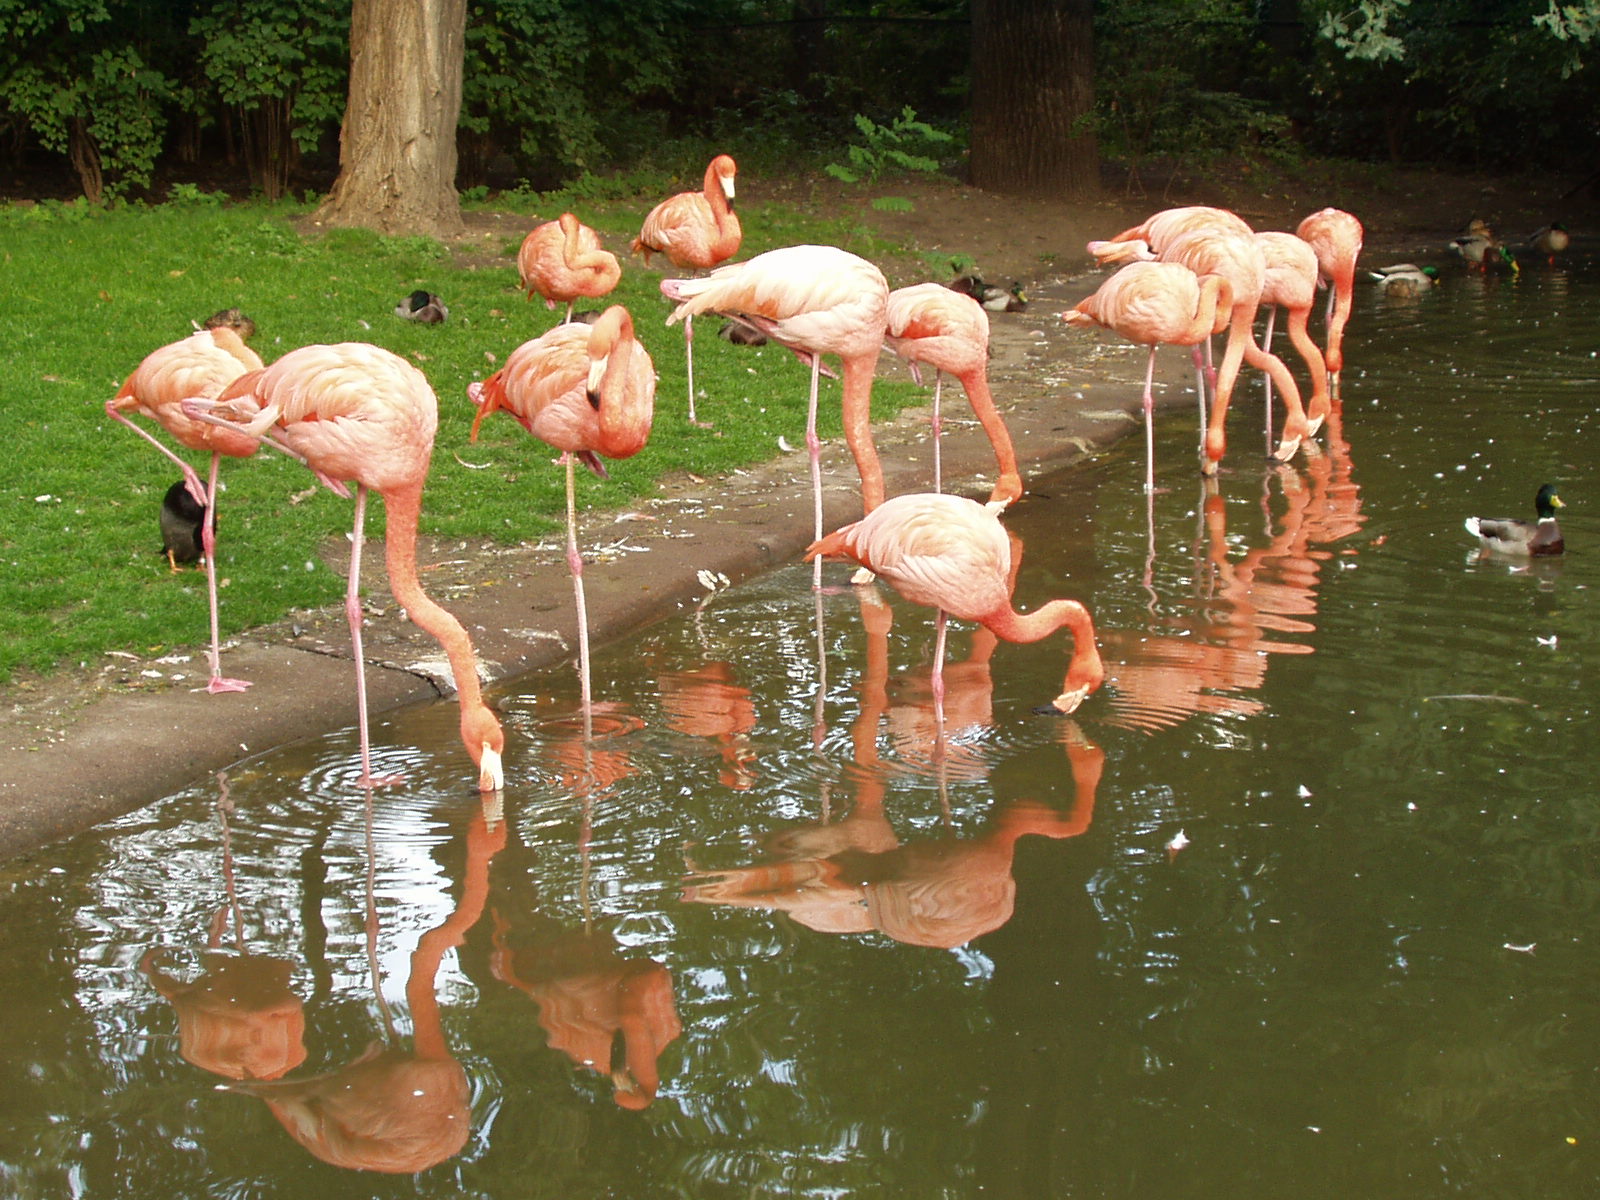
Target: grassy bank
87 294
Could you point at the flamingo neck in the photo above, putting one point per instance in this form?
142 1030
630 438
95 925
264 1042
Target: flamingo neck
403 509
857 401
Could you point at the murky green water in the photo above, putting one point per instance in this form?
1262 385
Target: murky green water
1304 903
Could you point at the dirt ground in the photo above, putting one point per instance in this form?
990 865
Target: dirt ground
82 746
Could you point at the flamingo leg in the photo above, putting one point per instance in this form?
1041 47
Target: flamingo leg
936 679
688 350
352 612
938 428
575 562
1266 344
208 541
191 480
814 448
1149 425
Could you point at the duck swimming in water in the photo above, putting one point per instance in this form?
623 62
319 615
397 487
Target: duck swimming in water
1506 535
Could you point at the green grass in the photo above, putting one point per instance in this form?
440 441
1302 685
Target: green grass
88 294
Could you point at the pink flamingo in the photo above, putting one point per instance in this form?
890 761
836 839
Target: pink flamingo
1336 238
696 231
1291 280
1240 260
952 554
1158 304
815 300
586 391
1146 240
196 368
355 413
562 260
930 323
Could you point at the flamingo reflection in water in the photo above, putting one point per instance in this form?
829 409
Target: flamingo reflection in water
1221 653
392 1109
609 1014
239 1018
706 702
854 875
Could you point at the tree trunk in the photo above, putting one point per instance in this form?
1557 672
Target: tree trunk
1033 97
85 156
397 147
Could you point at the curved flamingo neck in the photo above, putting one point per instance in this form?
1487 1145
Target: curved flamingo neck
1034 626
857 401
403 509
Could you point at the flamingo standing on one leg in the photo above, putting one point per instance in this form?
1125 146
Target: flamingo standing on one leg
562 260
952 554
815 300
1157 304
696 231
587 391
1240 260
356 413
1291 280
196 368
948 330
1336 237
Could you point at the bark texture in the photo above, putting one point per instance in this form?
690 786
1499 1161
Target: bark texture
397 146
1033 97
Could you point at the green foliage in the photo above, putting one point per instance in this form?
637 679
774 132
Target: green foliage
904 144
189 193
283 65
83 89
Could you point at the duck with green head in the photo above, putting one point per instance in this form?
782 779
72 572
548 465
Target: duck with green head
1508 535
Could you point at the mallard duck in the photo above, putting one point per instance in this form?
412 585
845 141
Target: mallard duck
991 295
1405 279
1481 251
1549 241
422 306
1509 536
181 519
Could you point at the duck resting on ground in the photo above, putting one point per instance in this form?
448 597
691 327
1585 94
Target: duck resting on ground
422 306
991 295
1506 535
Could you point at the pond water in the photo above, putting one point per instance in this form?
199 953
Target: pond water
1303 903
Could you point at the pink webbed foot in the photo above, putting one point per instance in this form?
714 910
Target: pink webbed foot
220 684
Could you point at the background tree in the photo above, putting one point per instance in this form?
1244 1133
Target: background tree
397 146
78 75
1033 97
279 68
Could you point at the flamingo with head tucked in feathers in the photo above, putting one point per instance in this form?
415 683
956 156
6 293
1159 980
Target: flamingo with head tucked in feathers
196 368
586 390
356 413
562 260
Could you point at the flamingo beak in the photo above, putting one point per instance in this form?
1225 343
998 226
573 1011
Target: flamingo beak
491 775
